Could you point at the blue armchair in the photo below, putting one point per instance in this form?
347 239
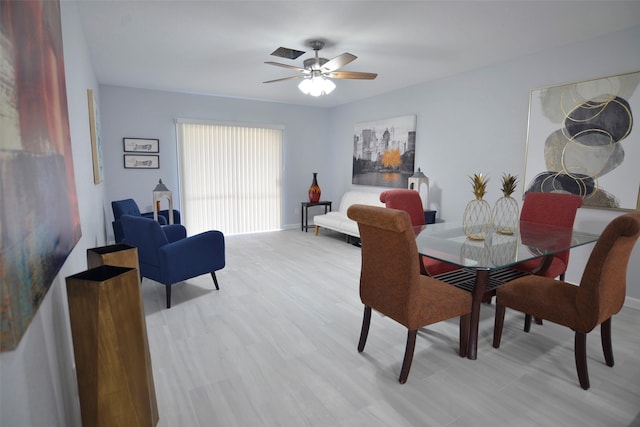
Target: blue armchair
168 256
130 207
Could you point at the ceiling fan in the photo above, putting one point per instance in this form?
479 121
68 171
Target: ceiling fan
316 71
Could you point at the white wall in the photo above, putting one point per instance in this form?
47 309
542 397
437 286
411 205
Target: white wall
151 114
38 384
477 122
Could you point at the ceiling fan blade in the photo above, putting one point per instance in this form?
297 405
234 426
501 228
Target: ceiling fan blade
338 62
284 78
351 75
291 67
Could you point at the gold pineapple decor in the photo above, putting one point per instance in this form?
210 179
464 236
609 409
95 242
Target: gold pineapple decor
477 215
479 182
509 184
506 212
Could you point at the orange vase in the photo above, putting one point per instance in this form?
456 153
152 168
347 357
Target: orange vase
314 190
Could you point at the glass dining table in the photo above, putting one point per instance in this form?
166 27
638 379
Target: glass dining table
487 264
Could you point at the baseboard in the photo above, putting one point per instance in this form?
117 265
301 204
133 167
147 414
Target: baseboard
632 303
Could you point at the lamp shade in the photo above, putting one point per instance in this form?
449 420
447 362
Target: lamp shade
160 187
316 86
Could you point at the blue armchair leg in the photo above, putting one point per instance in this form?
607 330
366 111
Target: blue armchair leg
168 296
215 280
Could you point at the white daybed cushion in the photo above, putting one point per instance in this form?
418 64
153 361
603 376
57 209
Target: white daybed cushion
338 220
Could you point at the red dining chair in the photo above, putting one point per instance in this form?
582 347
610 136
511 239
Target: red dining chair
410 202
553 209
600 295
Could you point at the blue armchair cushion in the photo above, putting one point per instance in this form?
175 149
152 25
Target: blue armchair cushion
174 232
130 207
163 216
192 256
167 256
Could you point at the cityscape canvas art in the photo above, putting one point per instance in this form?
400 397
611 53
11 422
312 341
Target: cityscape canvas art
384 152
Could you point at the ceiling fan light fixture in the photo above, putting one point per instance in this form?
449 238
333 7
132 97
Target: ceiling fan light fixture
305 86
329 86
318 72
316 86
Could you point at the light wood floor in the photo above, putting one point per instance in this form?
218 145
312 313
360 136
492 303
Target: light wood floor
276 346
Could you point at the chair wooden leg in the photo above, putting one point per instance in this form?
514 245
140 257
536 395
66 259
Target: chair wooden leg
487 298
215 279
168 296
423 270
581 359
497 325
605 335
465 322
364 332
408 356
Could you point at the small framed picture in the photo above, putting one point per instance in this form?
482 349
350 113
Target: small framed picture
141 161
141 145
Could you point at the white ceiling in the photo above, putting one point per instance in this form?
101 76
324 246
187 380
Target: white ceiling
219 47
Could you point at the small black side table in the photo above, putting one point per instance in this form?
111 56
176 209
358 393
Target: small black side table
304 212
429 217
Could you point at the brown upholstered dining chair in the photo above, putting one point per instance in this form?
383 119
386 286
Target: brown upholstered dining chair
391 283
410 202
599 296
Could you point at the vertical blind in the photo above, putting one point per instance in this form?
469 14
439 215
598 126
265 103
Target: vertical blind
230 177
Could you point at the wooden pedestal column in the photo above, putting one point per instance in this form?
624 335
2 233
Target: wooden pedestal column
115 382
119 255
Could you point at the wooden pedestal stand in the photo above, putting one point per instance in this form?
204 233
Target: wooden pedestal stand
115 380
118 255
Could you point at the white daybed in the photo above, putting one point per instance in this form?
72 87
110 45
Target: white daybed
338 220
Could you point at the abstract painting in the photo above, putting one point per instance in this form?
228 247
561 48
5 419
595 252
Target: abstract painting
39 217
384 152
581 140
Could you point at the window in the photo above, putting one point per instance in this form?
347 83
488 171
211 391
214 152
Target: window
230 177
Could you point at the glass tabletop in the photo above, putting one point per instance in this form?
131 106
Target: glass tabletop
447 242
